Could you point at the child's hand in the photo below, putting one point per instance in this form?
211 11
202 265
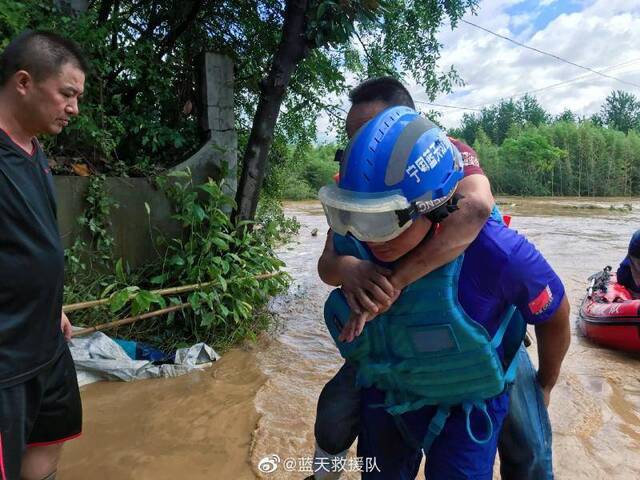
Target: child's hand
366 287
356 322
354 326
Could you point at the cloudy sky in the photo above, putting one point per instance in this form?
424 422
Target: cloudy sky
600 34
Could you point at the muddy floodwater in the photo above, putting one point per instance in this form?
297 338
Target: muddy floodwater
259 400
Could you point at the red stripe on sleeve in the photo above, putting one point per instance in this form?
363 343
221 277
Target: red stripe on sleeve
2 472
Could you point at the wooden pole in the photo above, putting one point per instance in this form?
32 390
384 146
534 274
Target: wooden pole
166 291
126 321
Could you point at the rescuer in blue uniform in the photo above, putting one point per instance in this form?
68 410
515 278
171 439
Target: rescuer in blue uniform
436 367
525 443
629 270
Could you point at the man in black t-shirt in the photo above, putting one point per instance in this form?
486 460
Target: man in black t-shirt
41 80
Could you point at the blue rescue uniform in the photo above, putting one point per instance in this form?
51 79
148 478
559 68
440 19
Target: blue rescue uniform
500 268
624 276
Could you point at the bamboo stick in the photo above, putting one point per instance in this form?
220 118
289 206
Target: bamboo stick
165 291
128 320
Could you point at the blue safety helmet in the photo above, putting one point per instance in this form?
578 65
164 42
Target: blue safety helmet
397 166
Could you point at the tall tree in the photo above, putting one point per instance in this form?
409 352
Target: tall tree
531 112
292 60
566 116
621 110
393 35
468 130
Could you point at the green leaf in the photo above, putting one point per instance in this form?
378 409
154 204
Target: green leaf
159 279
322 9
108 290
207 319
140 304
220 243
194 301
198 212
120 272
118 300
225 267
177 261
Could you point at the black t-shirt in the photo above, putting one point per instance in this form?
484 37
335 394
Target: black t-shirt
31 264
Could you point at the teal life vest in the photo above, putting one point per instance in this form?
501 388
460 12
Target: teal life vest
426 350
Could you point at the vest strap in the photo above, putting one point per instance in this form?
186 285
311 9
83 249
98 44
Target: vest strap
482 406
504 323
435 426
402 408
512 369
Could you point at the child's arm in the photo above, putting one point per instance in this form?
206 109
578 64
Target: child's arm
456 234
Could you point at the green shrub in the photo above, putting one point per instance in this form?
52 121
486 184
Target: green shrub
319 172
210 251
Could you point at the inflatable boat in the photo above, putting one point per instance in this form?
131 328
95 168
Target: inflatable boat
610 314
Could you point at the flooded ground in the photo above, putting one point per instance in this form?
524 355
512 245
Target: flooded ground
259 401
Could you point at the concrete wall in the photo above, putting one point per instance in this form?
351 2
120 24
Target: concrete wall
132 230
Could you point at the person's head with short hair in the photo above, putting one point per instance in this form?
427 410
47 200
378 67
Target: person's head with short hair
42 54
633 253
42 77
398 177
371 97
367 100
634 245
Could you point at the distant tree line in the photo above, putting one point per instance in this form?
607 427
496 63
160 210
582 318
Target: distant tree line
526 151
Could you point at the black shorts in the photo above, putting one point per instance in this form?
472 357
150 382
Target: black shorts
44 410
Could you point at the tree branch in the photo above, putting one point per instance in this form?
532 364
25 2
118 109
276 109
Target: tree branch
173 35
105 9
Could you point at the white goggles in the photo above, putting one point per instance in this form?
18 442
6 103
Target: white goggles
373 218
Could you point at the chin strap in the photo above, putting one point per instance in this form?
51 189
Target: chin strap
439 214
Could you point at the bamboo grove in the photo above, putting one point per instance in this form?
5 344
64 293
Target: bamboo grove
526 151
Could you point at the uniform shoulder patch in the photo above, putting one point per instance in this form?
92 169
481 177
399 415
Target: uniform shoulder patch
539 304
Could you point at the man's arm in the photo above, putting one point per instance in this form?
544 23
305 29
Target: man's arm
553 339
358 279
458 231
65 326
531 284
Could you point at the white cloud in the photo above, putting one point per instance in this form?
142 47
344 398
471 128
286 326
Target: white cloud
604 33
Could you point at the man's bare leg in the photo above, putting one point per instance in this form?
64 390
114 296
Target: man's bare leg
40 463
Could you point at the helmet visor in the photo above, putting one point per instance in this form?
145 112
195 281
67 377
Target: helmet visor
369 218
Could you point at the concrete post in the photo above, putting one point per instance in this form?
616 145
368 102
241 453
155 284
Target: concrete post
217 122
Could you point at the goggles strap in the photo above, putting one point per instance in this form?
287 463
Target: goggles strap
439 214
406 215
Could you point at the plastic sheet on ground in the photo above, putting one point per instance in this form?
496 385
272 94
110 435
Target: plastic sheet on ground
98 357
